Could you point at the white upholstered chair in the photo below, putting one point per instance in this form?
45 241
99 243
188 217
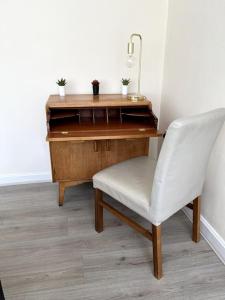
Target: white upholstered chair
158 189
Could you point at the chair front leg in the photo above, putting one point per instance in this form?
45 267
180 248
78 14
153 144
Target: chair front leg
196 220
157 251
98 211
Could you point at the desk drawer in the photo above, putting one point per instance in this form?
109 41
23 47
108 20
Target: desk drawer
75 160
115 151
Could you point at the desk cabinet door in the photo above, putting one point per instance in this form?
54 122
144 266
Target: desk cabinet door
116 151
75 160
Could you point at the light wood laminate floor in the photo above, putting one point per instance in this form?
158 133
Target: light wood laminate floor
47 252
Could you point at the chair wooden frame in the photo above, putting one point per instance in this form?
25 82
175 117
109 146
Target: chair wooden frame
154 235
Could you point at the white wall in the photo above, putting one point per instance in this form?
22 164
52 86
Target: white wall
80 40
86 39
194 82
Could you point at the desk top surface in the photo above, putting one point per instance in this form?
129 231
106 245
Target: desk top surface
88 100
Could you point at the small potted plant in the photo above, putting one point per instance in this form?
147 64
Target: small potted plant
125 83
61 83
95 86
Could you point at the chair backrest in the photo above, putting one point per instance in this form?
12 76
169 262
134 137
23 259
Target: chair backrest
182 163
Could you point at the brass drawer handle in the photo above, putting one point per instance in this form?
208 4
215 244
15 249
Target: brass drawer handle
95 146
108 144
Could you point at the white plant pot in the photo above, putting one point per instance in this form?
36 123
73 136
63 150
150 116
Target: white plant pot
62 91
124 89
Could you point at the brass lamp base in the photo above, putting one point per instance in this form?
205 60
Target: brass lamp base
136 97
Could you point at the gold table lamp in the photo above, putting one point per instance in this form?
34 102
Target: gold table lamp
130 50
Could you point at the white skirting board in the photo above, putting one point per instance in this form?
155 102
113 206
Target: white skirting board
215 241
14 179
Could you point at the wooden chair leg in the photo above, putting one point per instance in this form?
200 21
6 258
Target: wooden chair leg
157 251
196 220
98 211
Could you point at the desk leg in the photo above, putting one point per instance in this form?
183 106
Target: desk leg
61 193
64 184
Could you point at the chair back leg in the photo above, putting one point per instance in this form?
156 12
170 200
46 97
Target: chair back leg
196 220
98 211
157 251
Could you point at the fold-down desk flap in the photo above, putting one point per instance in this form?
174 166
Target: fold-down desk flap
103 135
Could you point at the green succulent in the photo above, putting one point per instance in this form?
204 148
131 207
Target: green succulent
61 82
125 81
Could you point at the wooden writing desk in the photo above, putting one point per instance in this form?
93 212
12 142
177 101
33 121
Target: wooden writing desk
88 133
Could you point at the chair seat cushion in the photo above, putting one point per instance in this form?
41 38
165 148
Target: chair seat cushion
129 182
